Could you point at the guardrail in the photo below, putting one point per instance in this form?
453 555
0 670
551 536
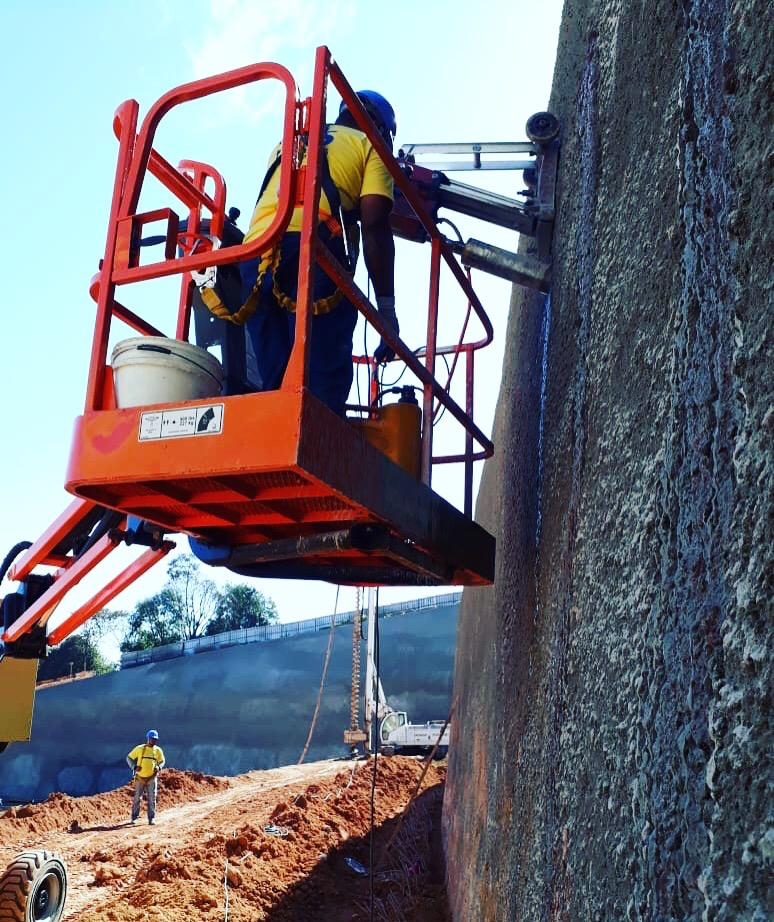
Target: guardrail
271 632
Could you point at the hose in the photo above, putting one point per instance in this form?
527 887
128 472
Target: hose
110 520
9 558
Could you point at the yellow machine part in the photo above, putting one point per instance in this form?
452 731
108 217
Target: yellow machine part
17 697
395 429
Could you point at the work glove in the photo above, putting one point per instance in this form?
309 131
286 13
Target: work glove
386 306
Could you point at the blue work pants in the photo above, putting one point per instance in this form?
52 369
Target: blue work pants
272 327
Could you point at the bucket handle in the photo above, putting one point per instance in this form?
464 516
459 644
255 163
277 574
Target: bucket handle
149 347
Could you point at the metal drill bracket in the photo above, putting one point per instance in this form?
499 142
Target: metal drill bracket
533 214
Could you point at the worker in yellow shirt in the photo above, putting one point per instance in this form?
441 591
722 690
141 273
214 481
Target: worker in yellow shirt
356 187
146 761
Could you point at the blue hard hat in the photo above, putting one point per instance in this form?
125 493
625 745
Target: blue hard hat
380 111
152 735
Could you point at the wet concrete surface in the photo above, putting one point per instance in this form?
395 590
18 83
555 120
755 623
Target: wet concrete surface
609 760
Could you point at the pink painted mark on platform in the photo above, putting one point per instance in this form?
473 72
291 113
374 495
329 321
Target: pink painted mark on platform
108 443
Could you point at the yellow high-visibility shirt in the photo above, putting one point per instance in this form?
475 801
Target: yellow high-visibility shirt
148 758
355 169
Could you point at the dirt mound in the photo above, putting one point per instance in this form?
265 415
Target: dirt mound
296 857
60 812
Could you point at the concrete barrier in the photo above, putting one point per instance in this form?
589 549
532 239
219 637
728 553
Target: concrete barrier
226 711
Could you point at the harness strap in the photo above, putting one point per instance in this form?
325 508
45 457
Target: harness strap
271 260
139 764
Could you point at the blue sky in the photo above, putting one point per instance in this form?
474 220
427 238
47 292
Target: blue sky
454 72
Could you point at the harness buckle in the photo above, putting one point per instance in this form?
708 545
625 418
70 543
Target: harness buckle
208 276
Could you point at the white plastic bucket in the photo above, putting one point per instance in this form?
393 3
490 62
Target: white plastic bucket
154 369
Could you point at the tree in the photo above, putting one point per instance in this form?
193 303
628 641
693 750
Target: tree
153 623
241 606
76 654
108 624
190 605
193 599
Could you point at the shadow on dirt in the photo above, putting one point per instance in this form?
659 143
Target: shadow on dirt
408 882
77 829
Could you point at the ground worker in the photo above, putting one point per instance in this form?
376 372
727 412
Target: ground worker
146 761
355 187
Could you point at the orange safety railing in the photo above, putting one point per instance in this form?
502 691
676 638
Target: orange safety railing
303 128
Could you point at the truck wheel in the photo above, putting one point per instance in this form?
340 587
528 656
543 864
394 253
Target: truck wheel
542 127
388 750
33 888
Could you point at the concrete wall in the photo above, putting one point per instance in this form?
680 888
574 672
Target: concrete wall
610 757
228 711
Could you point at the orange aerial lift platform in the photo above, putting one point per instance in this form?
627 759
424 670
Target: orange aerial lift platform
270 483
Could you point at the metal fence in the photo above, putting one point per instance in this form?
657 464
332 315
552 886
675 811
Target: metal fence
276 631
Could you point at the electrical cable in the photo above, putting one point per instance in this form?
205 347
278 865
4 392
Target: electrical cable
381 392
379 369
450 372
384 386
9 558
376 756
428 759
458 349
453 226
110 519
439 417
326 663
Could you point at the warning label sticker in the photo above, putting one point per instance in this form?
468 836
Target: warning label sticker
186 421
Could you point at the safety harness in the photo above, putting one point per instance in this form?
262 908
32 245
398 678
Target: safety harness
142 759
271 260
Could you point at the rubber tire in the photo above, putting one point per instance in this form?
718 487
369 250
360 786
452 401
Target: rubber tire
542 127
24 880
387 751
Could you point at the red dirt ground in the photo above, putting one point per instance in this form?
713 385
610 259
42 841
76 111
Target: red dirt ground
209 829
